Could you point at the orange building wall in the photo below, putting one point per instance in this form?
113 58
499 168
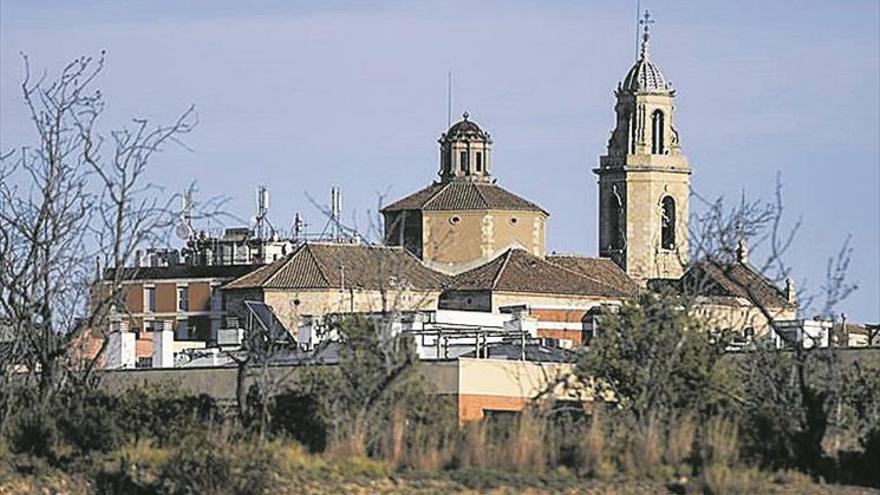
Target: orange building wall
134 298
200 296
166 298
472 407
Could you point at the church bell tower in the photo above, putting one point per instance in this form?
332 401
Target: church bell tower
644 179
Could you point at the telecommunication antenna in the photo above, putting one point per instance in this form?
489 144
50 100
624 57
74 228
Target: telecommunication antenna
336 212
184 229
261 219
299 227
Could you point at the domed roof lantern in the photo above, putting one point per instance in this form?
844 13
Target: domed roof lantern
464 151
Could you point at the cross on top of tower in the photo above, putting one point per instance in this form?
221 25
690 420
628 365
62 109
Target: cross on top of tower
646 21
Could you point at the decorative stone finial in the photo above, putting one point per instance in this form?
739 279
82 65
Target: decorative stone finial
742 251
465 115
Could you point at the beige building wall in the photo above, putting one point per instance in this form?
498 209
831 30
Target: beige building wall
454 241
290 306
739 314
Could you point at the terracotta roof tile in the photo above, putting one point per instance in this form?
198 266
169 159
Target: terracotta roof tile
601 270
463 195
518 271
323 265
712 279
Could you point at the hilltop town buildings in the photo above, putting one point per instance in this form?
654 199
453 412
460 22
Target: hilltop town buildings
465 245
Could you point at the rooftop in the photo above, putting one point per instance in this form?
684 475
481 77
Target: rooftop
516 270
458 195
317 265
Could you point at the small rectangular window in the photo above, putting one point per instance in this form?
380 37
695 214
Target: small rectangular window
465 166
182 330
479 164
183 298
150 299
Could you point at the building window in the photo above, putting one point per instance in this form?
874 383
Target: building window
615 223
657 130
479 164
150 299
463 158
183 298
455 219
182 330
667 228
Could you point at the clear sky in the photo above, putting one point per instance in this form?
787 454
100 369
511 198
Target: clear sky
301 97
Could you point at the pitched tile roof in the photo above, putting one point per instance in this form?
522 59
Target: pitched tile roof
713 279
599 269
463 195
519 271
326 265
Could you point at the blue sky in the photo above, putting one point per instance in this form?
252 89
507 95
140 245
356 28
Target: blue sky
305 95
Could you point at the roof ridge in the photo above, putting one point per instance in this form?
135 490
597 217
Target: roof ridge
436 193
507 255
480 194
584 276
318 266
275 272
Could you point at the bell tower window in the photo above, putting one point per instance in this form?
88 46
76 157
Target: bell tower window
463 158
479 162
667 223
657 129
615 212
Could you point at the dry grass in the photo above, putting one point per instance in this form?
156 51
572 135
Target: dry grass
594 459
527 448
680 441
648 448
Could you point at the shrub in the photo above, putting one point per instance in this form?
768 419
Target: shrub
298 415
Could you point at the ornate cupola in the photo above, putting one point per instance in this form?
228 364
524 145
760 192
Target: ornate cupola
644 179
465 152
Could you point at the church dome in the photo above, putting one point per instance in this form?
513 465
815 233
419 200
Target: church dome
645 76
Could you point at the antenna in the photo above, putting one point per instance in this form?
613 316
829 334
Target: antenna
638 23
336 212
261 219
449 100
184 230
299 226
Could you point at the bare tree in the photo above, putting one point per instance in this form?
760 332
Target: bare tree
73 202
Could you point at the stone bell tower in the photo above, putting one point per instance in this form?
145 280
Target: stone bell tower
644 180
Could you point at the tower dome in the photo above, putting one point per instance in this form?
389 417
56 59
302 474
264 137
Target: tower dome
465 129
645 76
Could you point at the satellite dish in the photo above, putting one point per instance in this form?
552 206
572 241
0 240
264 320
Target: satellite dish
183 231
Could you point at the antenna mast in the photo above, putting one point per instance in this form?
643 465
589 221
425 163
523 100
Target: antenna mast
449 100
336 212
638 23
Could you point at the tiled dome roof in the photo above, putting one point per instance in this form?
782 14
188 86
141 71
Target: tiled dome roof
645 76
